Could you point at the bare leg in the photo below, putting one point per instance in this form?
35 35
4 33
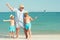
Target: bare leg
30 34
25 31
17 32
12 34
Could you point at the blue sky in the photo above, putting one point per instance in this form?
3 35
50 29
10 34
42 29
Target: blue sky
32 5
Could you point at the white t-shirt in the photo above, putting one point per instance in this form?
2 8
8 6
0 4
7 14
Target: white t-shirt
18 15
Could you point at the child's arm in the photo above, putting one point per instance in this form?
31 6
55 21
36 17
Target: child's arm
6 20
31 18
9 6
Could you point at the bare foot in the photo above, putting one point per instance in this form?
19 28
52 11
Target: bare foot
16 37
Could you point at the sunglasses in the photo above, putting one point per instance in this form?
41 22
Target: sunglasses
22 7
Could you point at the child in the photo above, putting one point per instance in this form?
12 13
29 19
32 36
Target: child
12 27
27 24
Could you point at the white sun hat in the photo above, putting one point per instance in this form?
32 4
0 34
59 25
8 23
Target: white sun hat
26 12
11 15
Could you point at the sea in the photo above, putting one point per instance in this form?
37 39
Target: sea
43 23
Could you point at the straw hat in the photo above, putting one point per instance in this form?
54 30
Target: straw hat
21 5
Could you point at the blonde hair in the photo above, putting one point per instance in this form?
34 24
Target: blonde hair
26 13
11 16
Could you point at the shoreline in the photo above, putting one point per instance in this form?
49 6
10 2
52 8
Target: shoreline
34 37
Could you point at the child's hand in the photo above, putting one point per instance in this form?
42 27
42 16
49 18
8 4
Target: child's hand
4 20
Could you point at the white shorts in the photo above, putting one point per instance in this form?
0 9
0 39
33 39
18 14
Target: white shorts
19 24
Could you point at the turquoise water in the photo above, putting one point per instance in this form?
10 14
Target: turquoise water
46 23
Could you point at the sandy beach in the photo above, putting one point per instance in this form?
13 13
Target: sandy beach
34 37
